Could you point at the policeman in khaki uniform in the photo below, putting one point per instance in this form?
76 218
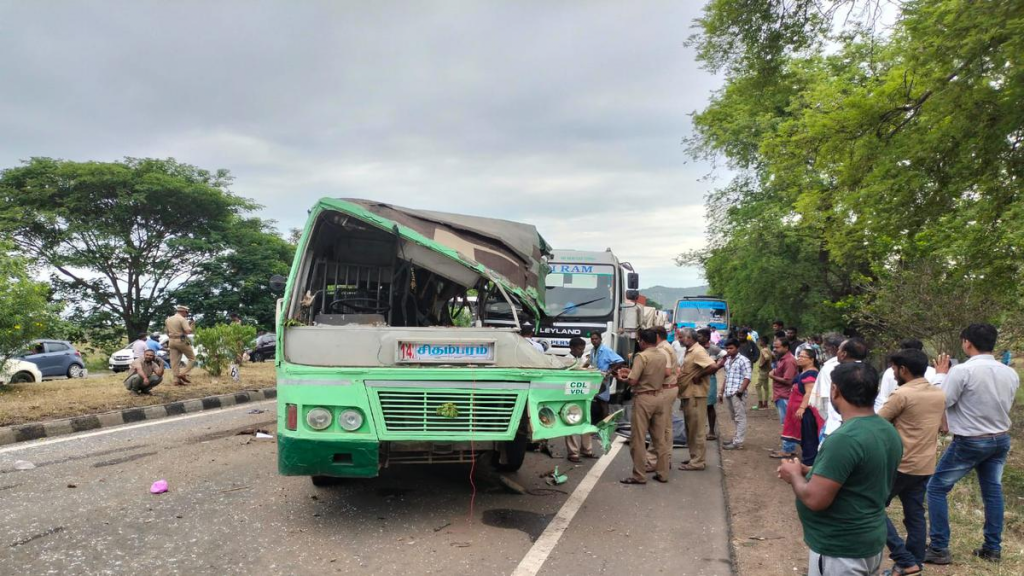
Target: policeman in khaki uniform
668 395
650 413
178 328
694 386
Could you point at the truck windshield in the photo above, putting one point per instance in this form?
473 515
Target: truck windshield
579 290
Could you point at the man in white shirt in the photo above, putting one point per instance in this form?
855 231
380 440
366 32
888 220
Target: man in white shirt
139 346
526 331
849 350
889 384
979 396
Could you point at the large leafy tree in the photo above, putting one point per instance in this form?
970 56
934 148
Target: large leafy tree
236 281
25 311
865 151
119 236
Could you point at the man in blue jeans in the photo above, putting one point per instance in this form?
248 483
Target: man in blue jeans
782 383
915 408
979 396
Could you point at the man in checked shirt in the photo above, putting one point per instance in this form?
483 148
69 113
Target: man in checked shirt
734 393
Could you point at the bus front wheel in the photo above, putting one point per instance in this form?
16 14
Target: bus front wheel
515 453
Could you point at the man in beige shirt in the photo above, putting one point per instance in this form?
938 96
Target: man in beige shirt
647 377
694 385
915 408
668 395
178 327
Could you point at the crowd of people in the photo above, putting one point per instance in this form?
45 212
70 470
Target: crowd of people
851 441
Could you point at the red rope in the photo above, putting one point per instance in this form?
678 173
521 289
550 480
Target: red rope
472 449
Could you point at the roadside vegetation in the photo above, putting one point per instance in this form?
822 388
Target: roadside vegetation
877 150
23 403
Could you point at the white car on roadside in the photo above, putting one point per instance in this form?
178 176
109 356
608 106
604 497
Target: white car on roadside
121 360
20 371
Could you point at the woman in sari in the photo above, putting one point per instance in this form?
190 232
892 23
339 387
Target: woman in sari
801 426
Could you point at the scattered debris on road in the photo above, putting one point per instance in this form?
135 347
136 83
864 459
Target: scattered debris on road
23 465
553 478
442 527
158 487
511 485
256 411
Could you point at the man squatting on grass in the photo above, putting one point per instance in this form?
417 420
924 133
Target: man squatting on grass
145 373
841 500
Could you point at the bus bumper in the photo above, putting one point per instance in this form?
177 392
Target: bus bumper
341 458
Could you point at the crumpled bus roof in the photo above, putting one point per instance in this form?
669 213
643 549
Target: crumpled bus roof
511 252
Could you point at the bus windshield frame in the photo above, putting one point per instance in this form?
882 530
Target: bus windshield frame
700 313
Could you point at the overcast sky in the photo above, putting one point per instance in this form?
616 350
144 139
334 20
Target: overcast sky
567 115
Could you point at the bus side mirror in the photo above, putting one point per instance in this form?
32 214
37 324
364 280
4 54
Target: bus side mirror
633 281
277 283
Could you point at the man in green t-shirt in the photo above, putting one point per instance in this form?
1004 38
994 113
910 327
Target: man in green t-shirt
841 500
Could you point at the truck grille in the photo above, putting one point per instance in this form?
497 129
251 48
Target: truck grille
415 413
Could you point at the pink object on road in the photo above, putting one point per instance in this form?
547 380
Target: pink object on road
158 487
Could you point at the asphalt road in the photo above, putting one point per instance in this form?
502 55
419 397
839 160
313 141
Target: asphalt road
86 509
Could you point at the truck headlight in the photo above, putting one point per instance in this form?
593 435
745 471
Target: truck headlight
319 418
350 420
572 414
547 416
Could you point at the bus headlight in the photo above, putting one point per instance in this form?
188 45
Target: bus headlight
572 414
319 418
547 416
350 420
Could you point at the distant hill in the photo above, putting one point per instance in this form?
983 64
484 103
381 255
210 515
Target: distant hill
667 296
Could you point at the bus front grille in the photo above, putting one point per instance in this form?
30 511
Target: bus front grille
448 413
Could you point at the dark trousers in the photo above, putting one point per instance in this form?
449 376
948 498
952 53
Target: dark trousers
911 490
808 438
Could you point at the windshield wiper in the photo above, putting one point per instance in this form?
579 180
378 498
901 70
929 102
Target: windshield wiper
574 306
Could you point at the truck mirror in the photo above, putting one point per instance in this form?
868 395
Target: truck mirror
277 283
633 281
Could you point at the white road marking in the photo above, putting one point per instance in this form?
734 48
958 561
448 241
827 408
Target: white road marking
538 554
113 429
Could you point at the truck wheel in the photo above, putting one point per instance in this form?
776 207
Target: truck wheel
515 453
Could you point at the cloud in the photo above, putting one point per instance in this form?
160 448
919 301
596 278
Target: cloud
565 115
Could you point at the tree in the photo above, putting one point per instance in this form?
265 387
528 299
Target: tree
236 281
119 236
25 313
861 151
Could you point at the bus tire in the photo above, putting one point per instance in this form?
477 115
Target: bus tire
325 481
515 453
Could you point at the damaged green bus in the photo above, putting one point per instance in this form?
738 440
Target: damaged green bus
385 357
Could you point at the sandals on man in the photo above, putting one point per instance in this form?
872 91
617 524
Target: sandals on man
631 480
573 458
690 467
782 455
